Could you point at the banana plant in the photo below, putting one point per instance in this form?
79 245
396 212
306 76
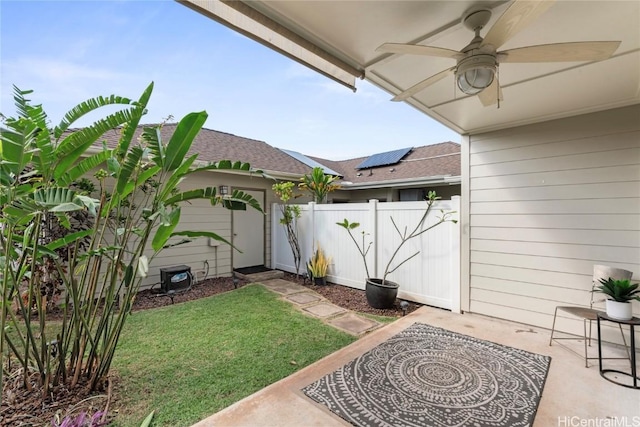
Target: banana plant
132 218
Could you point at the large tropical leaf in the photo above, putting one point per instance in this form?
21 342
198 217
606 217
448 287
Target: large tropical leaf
177 176
67 240
129 130
196 234
44 157
227 165
34 141
182 138
62 199
55 196
128 168
163 233
242 197
210 193
86 107
130 186
34 113
200 193
151 136
86 165
76 144
20 211
14 151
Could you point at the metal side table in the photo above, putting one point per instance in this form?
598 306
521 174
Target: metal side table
634 321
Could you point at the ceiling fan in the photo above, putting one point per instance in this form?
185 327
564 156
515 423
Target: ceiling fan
477 63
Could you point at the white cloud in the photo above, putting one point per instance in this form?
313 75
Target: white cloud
56 71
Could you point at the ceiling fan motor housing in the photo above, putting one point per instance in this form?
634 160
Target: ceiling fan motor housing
476 18
475 73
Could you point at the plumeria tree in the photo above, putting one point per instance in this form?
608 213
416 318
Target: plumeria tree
133 215
289 220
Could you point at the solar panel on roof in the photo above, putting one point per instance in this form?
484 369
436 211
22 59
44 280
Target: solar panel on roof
310 162
382 159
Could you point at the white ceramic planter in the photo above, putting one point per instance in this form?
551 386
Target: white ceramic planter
619 310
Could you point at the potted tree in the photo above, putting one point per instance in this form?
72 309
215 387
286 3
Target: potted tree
318 265
380 292
620 293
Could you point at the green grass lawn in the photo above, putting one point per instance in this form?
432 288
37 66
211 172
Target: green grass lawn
188 361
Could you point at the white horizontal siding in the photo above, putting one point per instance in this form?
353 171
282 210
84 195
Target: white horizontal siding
610 254
564 222
579 151
584 175
547 202
199 215
557 192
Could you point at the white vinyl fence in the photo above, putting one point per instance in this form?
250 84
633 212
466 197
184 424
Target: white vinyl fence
432 277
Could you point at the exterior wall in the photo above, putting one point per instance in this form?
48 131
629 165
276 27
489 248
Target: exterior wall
545 203
363 196
241 182
199 215
390 194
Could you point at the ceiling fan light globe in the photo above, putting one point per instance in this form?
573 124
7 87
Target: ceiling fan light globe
475 73
475 80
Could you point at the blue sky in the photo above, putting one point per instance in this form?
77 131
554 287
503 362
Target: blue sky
70 51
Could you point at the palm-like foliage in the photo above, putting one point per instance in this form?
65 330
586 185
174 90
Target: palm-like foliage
318 184
620 290
133 218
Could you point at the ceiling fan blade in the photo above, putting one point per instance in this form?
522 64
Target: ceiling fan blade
516 18
422 85
415 49
560 52
491 94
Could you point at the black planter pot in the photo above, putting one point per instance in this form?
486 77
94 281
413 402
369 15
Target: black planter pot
320 281
381 295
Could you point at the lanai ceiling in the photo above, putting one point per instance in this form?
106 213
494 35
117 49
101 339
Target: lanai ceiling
348 33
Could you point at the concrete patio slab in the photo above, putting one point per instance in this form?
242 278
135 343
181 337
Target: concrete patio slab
573 394
324 309
304 298
354 324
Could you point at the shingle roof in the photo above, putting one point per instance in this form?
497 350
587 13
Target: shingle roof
212 146
422 162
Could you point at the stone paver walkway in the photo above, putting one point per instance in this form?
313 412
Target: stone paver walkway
314 304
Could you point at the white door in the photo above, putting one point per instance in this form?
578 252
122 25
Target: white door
248 234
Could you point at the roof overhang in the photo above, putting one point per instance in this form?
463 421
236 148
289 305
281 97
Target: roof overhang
243 18
344 36
411 182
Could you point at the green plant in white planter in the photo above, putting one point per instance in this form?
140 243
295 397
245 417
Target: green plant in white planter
620 293
380 292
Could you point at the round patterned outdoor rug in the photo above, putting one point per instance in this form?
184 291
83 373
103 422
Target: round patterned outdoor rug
428 376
